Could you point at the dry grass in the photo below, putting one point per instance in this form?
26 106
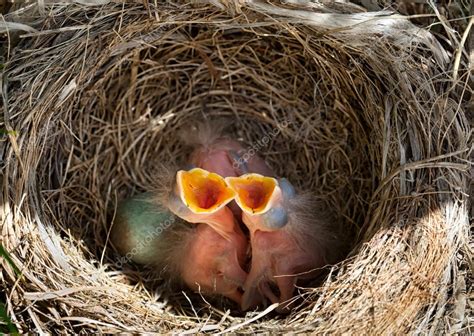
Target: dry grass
374 125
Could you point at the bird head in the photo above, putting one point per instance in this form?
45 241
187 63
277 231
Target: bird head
213 264
216 151
262 199
200 196
203 191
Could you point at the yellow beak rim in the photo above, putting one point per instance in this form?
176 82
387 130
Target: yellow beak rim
255 193
203 192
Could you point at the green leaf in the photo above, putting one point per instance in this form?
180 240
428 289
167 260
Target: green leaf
4 318
6 255
11 329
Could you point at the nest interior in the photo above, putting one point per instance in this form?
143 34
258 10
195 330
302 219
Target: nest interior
358 113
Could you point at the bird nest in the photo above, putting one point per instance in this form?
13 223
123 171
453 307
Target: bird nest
357 107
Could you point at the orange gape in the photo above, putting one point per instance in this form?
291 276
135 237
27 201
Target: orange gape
255 194
203 191
217 250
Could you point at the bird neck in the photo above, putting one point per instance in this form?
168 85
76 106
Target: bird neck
222 221
255 223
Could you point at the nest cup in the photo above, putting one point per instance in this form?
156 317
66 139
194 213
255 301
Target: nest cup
353 106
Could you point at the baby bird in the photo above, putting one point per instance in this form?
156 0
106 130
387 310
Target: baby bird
199 196
291 236
217 153
195 255
220 154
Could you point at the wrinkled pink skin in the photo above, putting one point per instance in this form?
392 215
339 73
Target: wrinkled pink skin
222 220
213 263
219 250
277 256
274 254
219 158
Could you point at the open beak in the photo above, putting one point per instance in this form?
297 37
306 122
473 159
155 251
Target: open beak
255 193
203 192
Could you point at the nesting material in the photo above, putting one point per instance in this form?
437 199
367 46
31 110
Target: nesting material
357 107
